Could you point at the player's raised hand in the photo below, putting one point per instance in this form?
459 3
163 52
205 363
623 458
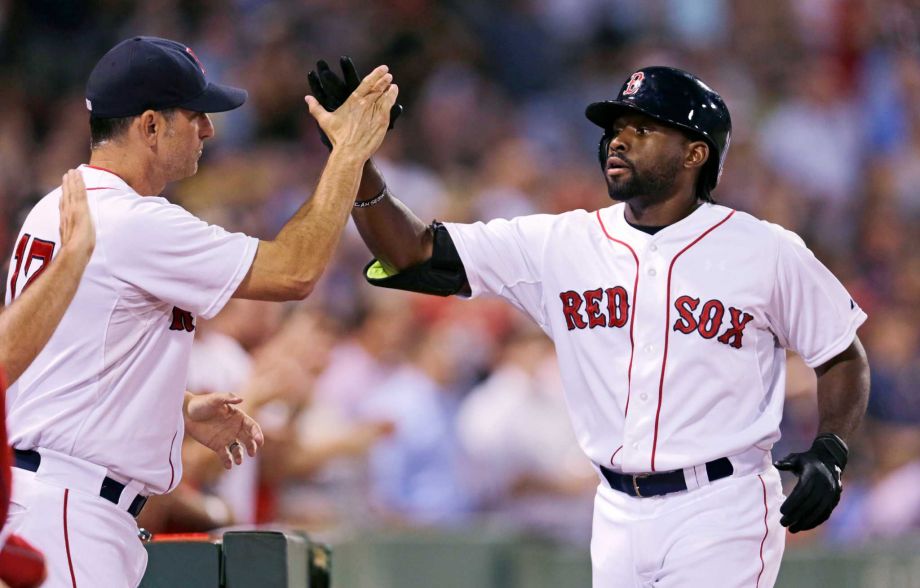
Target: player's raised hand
77 231
360 123
214 421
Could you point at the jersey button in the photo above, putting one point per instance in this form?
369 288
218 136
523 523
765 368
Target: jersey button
643 396
652 272
649 348
636 445
653 247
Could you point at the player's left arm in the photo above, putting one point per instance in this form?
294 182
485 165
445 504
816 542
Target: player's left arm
843 391
843 394
812 313
28 323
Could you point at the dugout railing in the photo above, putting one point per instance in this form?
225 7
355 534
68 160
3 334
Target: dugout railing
471 559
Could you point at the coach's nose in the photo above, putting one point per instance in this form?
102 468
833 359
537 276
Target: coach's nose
206 130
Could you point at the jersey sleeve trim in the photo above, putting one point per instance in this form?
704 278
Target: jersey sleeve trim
844 341
242 269
850 319
476 289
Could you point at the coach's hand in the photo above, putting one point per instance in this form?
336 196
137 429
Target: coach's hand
77 231
214 421
332 91
819 487
358 126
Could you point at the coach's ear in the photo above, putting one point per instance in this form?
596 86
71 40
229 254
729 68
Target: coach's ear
150 124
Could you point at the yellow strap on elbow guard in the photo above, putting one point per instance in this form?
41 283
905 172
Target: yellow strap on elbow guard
442 274
376 271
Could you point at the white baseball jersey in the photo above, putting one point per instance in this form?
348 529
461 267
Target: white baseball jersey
108 387
671 346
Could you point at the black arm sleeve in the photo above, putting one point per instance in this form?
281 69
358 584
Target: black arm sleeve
442 275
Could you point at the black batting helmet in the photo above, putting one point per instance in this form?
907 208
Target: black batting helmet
677 98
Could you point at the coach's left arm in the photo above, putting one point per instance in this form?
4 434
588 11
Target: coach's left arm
216 422
28 323
843 394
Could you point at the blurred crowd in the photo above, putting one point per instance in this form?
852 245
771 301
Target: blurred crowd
390 409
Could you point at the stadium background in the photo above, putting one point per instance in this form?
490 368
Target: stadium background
388 411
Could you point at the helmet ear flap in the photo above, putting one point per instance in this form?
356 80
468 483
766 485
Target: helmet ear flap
602 148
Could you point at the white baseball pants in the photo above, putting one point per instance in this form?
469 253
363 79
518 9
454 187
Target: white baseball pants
725 534
88 542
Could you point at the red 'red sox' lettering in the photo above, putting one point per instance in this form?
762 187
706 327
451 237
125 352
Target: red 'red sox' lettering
182 320
595 318
616 307
710 320
585 311
571 304
733 335
685 306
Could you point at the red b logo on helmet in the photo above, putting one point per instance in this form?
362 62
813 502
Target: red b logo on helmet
635 82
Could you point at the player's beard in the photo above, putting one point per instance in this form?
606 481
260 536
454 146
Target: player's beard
654 183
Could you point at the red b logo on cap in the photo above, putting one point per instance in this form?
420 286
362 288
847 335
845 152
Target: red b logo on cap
635 82
198 61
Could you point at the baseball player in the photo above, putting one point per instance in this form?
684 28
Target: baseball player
671 316
25 328
97 421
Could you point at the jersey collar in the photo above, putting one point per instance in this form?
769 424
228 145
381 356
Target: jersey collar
99 178
686 228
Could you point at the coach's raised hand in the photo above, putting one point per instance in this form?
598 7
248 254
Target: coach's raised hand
288 267
358 126
332 91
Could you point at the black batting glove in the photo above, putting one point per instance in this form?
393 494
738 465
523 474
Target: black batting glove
819 487
331 91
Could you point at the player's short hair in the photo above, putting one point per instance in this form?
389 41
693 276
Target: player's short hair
702 188
107 129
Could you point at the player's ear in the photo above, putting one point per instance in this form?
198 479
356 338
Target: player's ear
697 154
150 125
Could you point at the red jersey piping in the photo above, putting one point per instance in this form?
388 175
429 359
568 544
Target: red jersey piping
766 529
73 578
172 469
632 314
667 328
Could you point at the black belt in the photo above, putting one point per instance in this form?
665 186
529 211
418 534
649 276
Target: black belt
645 485
111 489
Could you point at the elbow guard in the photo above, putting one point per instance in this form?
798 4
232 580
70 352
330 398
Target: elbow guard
442 275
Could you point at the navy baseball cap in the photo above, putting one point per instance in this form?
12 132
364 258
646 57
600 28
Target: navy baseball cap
150 73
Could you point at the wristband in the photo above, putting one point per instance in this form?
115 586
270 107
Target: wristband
372 201
831 446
